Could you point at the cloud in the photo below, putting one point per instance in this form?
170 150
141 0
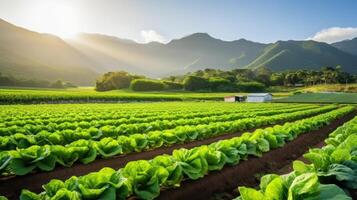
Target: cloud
152 36
335 34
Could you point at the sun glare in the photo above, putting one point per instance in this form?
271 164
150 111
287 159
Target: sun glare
57 18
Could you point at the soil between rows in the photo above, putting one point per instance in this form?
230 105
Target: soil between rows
11 186
247 172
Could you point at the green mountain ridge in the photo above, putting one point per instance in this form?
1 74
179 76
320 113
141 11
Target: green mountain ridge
190 53
349 46
294 55
30 54
81 60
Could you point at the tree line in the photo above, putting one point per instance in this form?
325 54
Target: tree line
236 80
11 81
124 80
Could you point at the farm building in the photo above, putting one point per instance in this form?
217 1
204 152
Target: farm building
235 98
259 97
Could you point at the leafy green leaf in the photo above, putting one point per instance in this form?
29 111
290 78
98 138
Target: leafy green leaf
64 194
108 147
275 189
192 162
5 159
53 187
329 192
27 195
20 167
307 183
300 167
250 194
174 169
94 184
266 179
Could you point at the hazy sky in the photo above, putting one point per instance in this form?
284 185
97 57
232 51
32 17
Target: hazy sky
162 20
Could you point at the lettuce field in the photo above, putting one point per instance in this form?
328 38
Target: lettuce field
178 150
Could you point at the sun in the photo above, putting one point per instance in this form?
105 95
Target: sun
57 18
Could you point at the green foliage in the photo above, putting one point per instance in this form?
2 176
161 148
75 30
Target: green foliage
69 85
250 87
170 85
218 80
304 186
114 81
144 179
332 171
147 85
192 162
57 84
68 146
194 83
19 82
220 84
321 98
88 95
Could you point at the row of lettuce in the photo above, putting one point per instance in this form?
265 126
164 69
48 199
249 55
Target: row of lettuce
144 178
21 161
331 175
30 96
63 137
57 113
132 120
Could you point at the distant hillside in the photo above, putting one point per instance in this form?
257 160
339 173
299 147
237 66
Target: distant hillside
349 46
293 55
200 51
29 54
33 55
193 52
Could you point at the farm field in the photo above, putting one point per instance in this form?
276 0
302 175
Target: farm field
351 87
329 171
125 100
152 150
333 97
88 94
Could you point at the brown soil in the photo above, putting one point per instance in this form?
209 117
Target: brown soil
248 172
353 193
11 186
288 168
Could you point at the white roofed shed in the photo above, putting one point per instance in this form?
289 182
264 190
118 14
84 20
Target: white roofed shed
259 97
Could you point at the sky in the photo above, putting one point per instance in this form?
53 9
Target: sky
163 20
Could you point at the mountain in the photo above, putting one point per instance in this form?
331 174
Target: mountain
293 55
349 46
29 54
200 50
190 53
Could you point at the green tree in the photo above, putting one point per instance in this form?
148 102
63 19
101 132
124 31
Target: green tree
277 79
147 85
57 84
193 83
115 81
220 84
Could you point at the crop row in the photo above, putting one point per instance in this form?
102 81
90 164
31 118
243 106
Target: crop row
86 151
333 169
25 111
97 131
149 123
34 96
41 115
144 179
